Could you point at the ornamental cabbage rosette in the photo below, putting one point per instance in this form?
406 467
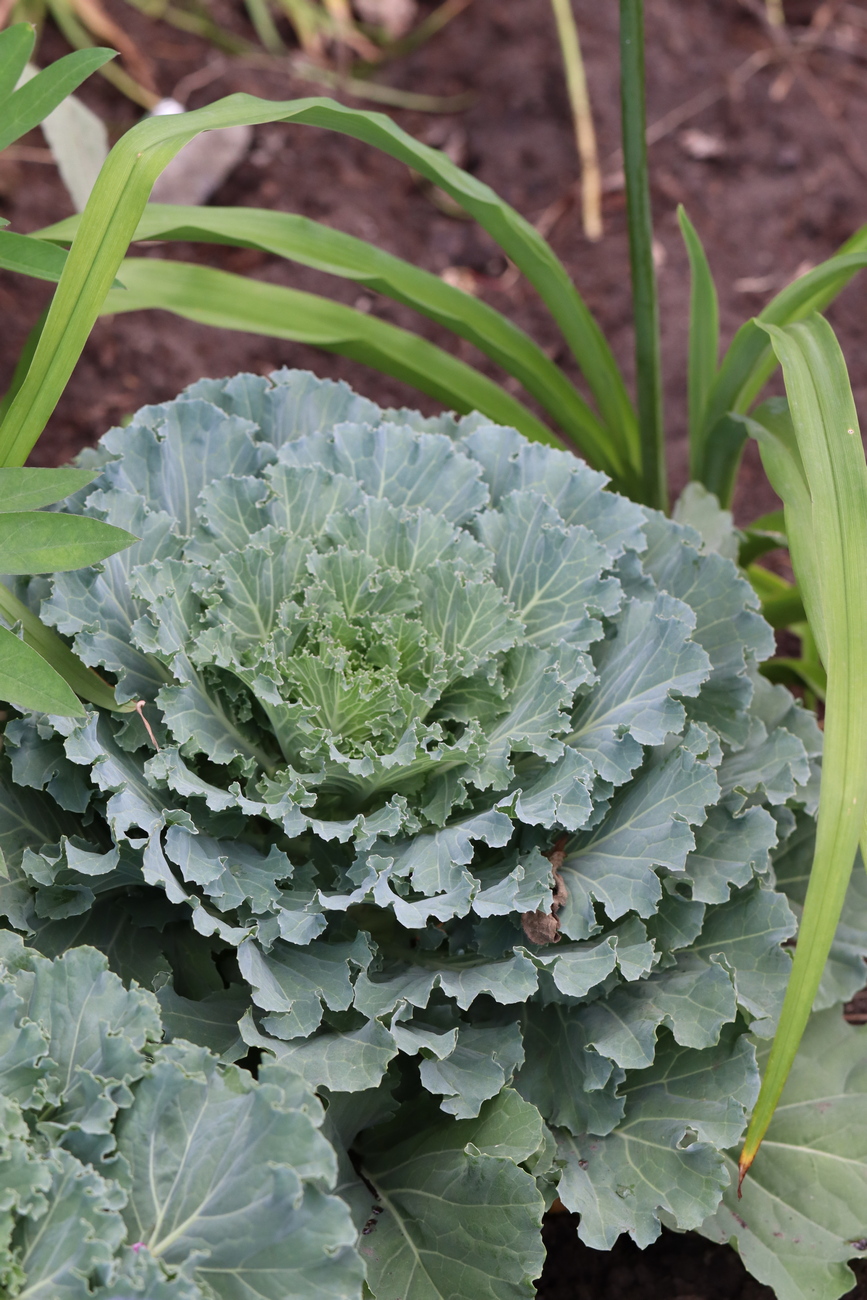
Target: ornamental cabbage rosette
460 766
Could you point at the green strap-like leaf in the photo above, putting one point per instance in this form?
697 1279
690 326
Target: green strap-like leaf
819 471
37 541
645 302
234 302
29 489
316 245
27 681
31 256
16 46
750 360
118 200
32 103
703 338
56 654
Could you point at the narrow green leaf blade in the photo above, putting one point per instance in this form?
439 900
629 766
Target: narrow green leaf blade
122 190
32 102
27 681
750 361
318 246
654 488
41 542
56 653
31 256
29 489
826 515
233 302
16 46
703 338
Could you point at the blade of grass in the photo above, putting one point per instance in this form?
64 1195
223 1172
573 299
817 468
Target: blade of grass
325 249
28 682
32 102
818 468
56 653
16 46
582 116
119 197
234 302
645 306
703 340
750 360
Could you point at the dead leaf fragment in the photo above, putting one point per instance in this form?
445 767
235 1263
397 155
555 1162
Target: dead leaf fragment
544 927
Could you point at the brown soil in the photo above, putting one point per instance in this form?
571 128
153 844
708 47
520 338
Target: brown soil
786 185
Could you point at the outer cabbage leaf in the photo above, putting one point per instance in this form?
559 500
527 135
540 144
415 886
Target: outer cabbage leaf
804 1207
665 1154
459 1217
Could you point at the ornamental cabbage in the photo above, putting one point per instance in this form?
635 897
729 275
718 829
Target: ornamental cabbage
452 787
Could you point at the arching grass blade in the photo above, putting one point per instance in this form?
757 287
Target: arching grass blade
816 464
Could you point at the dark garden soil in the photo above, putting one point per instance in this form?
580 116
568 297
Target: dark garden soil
764 142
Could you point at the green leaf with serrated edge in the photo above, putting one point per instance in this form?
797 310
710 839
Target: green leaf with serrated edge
664 1155
746 934
294 984
31 103
576 968
641 670
213 1166
23 1052
97 1030
27 681
774 764
511 464
728 627
312 244
77 1234
38 760
551 574
28 489
845 971
210 1022
571 1084
170 453
96 607
692 999
43 541
459 1218
648 825
138 1274
730 848
343 1062
509 980
26 1174
802 1215
699 509
29 819
231 873
482 1062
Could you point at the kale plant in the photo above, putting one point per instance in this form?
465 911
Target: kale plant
137 1168
454 789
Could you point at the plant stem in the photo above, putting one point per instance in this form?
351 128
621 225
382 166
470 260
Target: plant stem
585 134
645 304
